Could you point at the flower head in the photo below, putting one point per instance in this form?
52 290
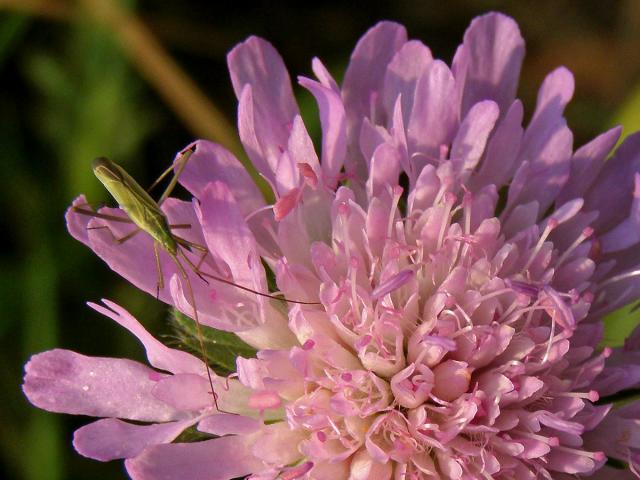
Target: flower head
461 263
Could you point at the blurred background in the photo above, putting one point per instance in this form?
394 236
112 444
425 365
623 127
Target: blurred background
138 80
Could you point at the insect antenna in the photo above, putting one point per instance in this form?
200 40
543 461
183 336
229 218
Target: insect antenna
186 244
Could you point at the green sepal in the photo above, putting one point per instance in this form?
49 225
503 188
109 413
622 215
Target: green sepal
222 348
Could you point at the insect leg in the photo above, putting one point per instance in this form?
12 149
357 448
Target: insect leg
104 216
160 282
174 181
192 299
118 240
180 225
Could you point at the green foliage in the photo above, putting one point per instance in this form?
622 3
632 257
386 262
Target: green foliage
628 115
619 324
222 347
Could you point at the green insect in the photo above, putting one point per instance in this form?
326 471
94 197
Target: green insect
146 214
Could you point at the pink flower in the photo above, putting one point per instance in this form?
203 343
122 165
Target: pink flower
463 263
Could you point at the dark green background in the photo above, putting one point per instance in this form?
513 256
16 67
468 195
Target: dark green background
69 94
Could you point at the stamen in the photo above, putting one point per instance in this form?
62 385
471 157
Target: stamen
551 335
393 283
551 224
618 278
296 472
397 193
467 200
449 201
586 233
353 273
255 212
597 456
551 441
591 395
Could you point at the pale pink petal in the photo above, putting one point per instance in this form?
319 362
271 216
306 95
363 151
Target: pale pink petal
363 81
226 424
257 64
587 162
626 233
277 443
185 392
67 382
110 438
435 110
228 237
158 354
407 66
218 459
487 65
363 467
613 191
334 129
546 145
77 223
471 139
212 162
384 170
501 151
323 75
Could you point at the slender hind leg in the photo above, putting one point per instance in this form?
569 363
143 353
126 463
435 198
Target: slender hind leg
160 282
104 216
118 240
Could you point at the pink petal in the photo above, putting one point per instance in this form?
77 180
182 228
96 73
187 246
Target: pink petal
299 150
218 459
364 78
487 64
587 162
471 139
613 191
384 170
334 129
110 438
368 65
67 382
210 162
501 151
546 145
186 392
323 75
278 444
158 354
435 110
363 467
226 424
77 223
257 64
228 237
407 66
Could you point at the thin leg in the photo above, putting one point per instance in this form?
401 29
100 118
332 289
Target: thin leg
129 235
194 246
92 205
193 268
177 226
160 282
104 216
189 245
118 240
203 350
174 181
